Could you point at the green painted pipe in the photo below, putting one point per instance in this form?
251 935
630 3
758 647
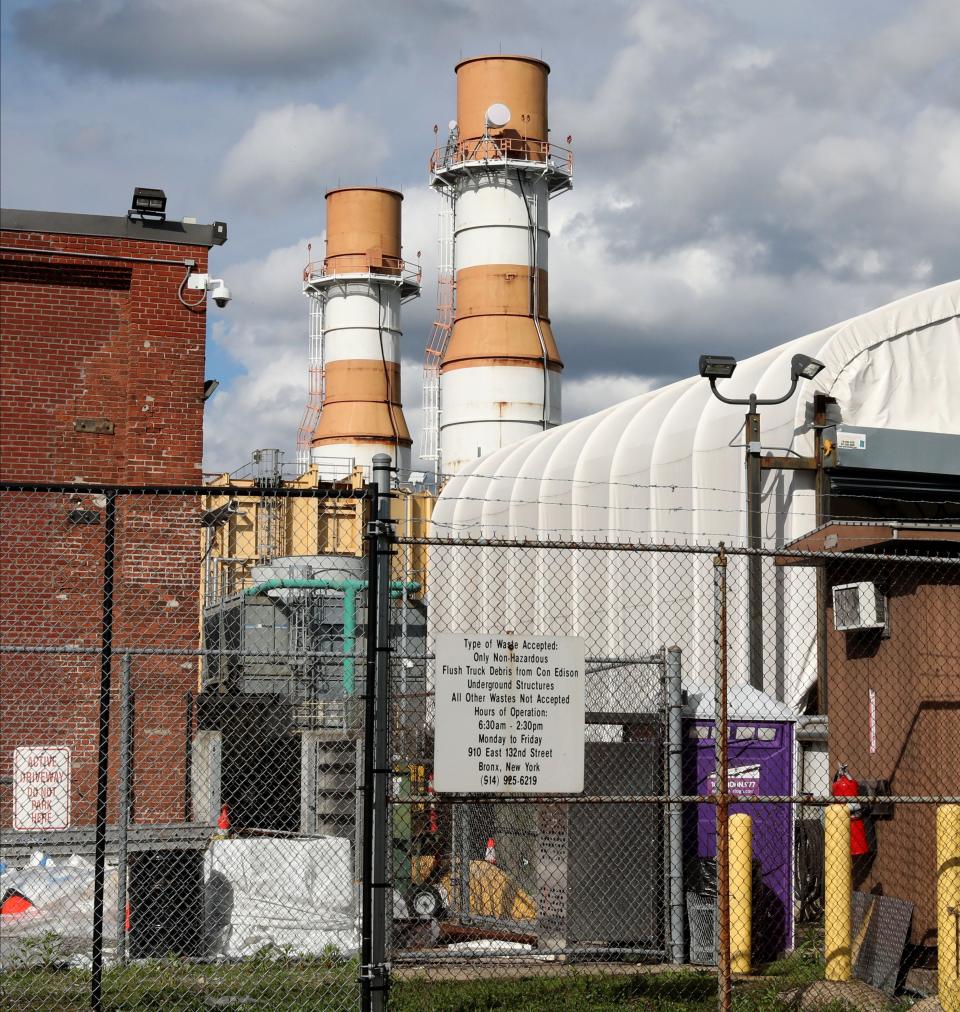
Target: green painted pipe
349 589
349 637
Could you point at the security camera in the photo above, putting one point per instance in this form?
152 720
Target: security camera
203 282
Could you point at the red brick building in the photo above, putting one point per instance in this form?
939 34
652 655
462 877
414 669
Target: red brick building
101 380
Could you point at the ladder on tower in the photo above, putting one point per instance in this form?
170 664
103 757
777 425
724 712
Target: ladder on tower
439 334
311 413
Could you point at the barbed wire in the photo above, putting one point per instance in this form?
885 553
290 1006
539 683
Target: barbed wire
680 508
711 548
504 523
676 486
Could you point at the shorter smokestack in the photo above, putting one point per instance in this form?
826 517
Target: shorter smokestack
361 285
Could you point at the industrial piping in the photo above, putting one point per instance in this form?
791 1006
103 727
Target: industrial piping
361 284
500 370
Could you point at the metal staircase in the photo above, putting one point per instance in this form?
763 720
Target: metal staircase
439 334
311 413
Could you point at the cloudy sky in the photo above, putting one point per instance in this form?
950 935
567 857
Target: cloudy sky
745 172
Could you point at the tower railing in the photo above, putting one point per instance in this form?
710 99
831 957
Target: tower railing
503 149
349 264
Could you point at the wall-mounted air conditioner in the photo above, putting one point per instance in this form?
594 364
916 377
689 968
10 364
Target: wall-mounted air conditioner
858 606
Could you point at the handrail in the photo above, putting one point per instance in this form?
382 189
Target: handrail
486 148
388 266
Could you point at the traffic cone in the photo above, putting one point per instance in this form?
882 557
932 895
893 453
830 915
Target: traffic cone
14 903
433 824
491 853
223 824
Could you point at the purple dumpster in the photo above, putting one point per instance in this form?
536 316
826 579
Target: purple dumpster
761 762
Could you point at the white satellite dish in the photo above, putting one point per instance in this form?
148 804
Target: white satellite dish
498 115
452 125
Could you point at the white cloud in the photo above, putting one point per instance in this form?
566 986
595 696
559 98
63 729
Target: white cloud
299 150
265 330
744 173
239 39
261 408
594 393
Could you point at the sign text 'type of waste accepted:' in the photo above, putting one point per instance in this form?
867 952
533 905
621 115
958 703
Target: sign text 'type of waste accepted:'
509 715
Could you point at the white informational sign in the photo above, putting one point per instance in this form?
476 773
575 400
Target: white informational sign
41 787
509 713
851 440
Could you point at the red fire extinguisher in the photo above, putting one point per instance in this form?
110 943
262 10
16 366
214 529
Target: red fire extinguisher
844 786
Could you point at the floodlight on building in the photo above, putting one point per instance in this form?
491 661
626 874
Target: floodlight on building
79 515
717 366
148 202
221 514
805 367
208 387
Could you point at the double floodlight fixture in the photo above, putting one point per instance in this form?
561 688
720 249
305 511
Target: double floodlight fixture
714 367
148 203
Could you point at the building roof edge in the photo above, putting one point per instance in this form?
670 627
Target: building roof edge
113 226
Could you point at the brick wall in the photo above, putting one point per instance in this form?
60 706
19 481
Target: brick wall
94 339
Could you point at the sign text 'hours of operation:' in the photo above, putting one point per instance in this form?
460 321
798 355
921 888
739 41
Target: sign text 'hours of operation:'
509 713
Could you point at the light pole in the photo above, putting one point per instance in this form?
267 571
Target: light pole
714 367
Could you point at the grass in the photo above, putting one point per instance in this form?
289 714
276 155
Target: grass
278 984
669 992
286 986
275 981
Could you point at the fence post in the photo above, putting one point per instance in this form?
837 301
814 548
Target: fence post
374 974
720 735
369 715
948 906
124 807
837 893
741 892
103 749
188 759
674 704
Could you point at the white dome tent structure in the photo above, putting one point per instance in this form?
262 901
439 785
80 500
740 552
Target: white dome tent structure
667 467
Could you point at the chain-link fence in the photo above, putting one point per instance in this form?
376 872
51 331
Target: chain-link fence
684 868
183 760
259 749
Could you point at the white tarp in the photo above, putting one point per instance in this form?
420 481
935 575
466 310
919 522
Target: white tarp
667 466
58 925
295 896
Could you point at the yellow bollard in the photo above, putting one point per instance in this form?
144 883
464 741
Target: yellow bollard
838 893
948 906
741 892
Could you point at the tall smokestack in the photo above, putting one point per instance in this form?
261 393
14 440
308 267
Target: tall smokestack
499 369
360 286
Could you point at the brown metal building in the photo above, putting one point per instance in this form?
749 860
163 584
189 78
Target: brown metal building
893 695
